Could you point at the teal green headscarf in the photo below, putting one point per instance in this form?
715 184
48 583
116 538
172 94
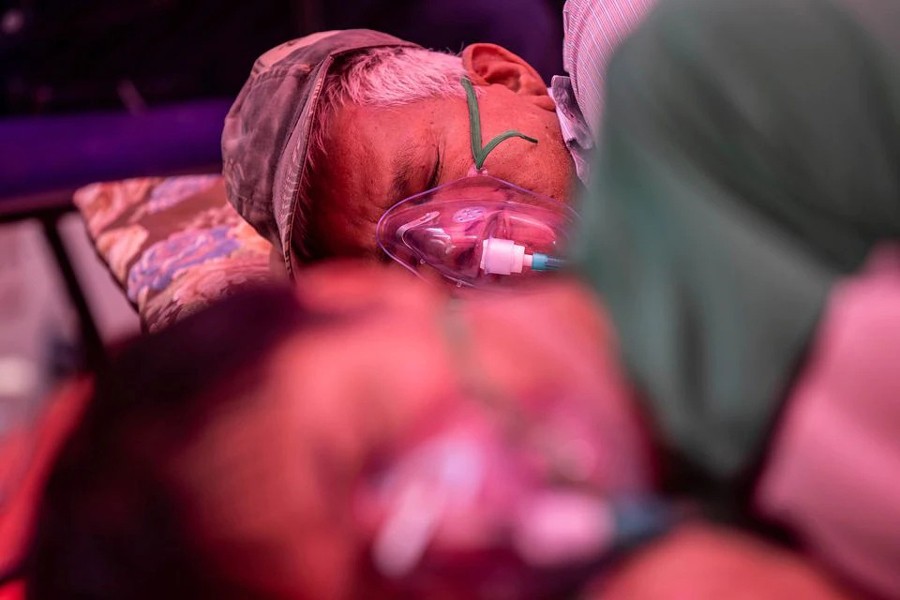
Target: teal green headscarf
750 156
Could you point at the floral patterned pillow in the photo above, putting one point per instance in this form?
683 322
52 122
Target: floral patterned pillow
173 244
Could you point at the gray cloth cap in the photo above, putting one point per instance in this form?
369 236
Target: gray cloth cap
266 137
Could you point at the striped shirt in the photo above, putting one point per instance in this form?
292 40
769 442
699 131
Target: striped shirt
593 30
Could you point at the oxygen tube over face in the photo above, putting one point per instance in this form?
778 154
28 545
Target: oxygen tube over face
478 231
500 256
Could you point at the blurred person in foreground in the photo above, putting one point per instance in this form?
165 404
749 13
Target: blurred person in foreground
743 228
333 129
365 439
369 439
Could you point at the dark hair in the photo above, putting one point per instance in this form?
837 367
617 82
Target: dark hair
107 526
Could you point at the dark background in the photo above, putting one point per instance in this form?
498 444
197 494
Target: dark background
60 56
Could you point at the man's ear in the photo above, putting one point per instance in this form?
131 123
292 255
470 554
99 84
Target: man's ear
490 64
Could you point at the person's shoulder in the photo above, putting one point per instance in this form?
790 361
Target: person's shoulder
860 331
839 432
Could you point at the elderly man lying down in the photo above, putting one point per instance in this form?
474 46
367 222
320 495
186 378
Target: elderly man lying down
334 129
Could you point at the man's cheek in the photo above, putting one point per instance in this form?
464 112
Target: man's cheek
344 237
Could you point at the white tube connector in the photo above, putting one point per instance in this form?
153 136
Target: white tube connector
503 257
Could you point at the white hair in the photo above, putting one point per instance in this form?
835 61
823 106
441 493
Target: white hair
395 76
385 77
378 77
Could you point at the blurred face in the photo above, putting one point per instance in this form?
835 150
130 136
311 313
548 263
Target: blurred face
378 156
276 485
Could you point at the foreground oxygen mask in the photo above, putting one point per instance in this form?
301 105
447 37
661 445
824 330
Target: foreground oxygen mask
478 231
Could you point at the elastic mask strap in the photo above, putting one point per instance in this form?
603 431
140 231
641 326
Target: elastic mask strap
479 153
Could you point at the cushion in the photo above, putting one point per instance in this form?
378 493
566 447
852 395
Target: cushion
174 244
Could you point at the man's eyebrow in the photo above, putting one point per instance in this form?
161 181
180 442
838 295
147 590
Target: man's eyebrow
403 168
435 171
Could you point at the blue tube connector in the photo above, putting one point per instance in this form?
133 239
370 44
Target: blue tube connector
543 262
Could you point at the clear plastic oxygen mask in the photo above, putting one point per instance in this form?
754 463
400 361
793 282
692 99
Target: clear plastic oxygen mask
478 231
